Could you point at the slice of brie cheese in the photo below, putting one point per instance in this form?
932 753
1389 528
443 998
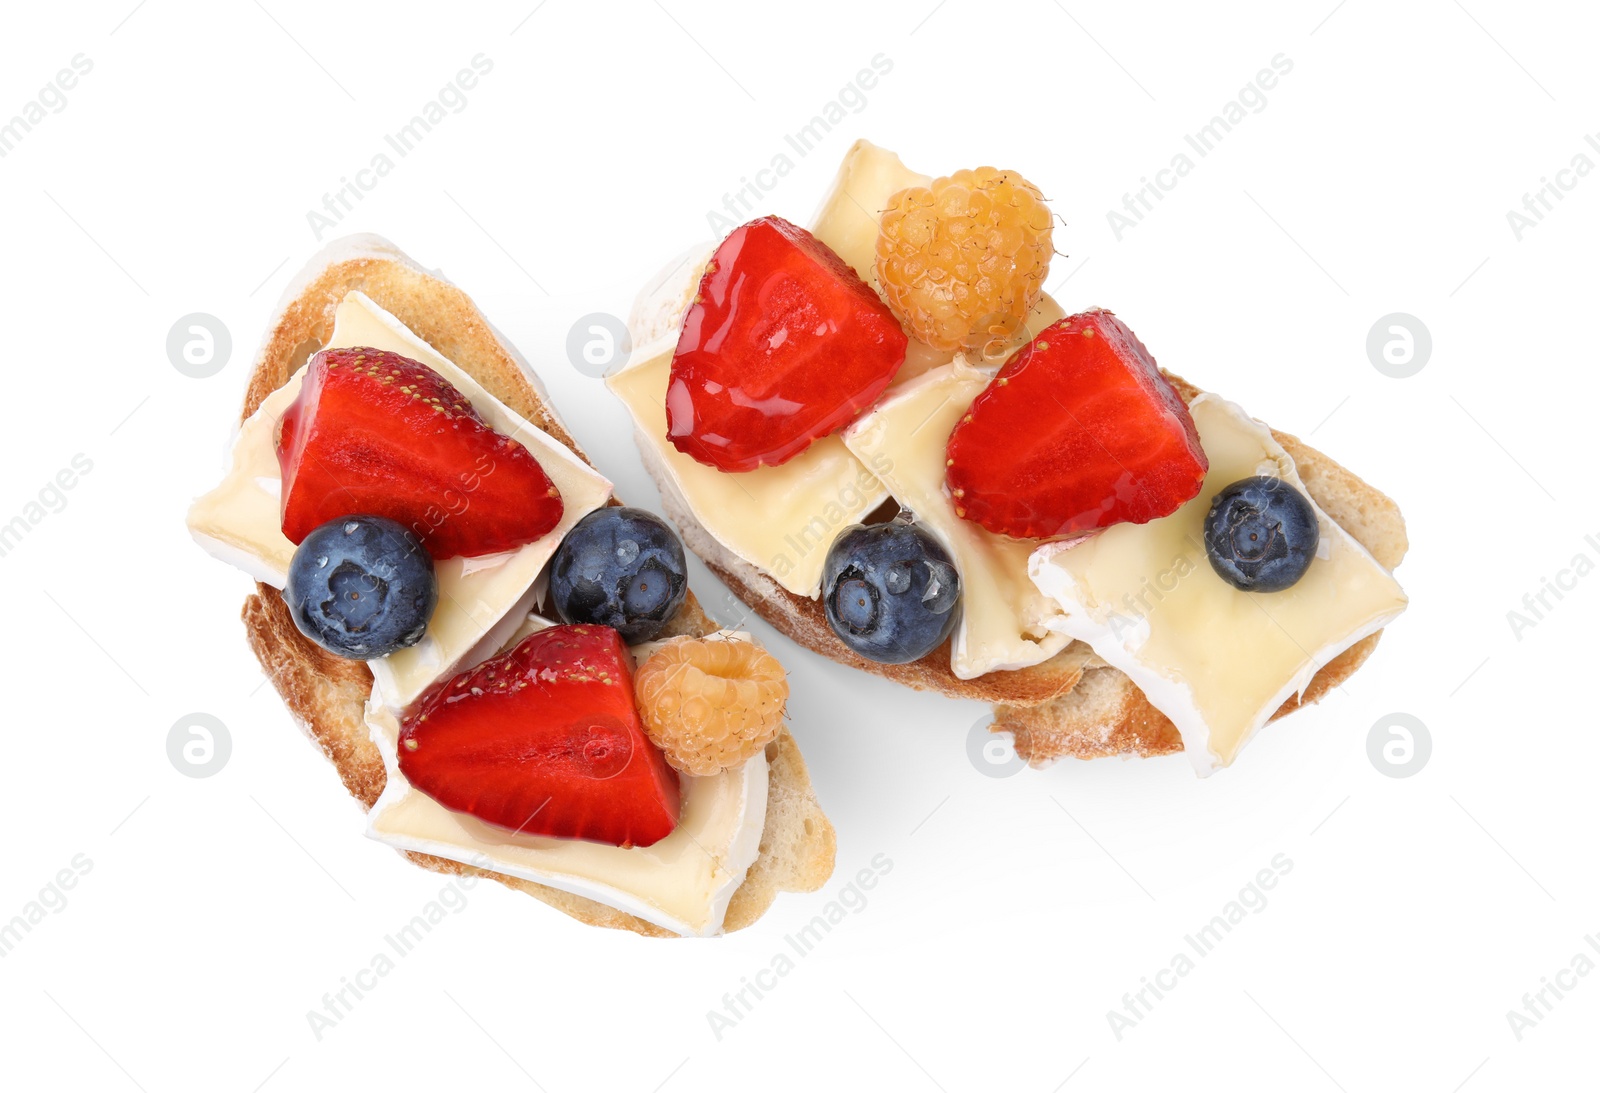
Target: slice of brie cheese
847 219
682 883
240 521
1217 661
1002 625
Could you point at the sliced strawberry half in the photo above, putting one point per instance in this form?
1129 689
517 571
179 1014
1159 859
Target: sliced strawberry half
375 432
784 344
1079 431
545 739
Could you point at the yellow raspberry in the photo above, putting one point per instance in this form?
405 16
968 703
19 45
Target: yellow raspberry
963 260
710 703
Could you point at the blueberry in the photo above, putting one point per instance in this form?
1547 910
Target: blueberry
622 568
361 587
1261 534
890 591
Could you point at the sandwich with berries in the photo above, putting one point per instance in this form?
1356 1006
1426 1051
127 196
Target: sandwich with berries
889 441
505 665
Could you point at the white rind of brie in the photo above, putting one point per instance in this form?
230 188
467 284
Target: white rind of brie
1217 661
682 883
240 521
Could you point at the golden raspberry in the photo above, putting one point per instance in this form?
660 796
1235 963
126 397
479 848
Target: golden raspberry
963 261
710 703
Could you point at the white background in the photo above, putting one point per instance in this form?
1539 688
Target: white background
1019 910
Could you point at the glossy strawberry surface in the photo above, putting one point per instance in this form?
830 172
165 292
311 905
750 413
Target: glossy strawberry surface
1078 431
545 739
374 432
783 344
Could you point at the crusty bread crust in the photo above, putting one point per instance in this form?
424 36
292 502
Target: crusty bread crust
327 695
1073 704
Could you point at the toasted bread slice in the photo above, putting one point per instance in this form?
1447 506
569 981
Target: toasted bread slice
1105 714
327 694
1072 704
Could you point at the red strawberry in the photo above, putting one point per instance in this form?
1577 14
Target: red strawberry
545 739
784 344
1079 430
375 432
